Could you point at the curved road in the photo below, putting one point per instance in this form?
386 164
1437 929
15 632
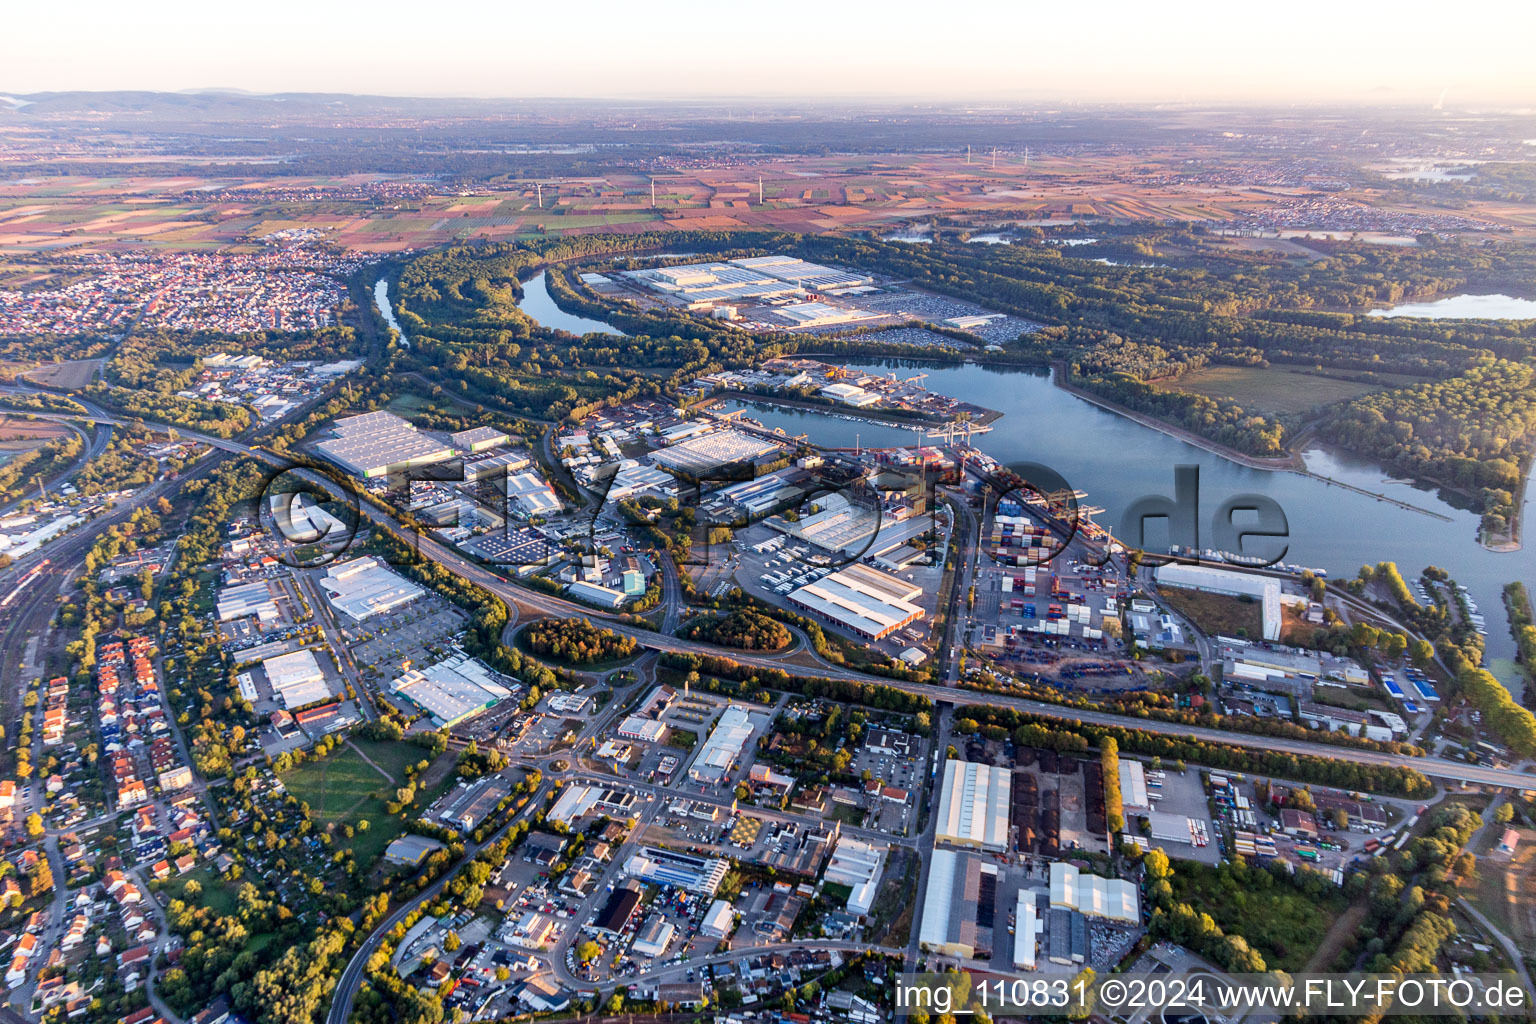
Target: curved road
465 568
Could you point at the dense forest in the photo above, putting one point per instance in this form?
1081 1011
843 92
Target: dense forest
744 628
576 641
1472 432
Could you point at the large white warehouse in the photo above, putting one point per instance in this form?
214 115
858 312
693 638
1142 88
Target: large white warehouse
974 805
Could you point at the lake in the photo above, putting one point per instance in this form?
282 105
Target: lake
1465 307
1116 460
539 305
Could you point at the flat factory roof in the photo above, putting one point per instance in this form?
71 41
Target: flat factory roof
364 587
451 690
974 805
864 600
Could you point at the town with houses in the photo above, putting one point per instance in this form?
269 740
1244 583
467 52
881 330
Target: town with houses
683 619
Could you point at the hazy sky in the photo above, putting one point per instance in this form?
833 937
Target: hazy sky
1111 49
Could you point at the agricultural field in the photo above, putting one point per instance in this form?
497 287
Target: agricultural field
19 434
1268 389
389 213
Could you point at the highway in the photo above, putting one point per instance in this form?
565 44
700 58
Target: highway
67 550
513 595
1454 771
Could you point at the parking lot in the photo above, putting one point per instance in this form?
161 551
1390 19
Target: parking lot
774 575
1182 794
420 632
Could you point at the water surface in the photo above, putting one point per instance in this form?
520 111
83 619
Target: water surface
1117 460
1465 307
540 305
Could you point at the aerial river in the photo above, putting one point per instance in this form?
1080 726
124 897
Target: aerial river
1117 460
539 304
381 300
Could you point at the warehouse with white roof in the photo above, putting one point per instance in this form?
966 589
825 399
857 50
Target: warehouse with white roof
1094 896
452 690
478 439
1133 785
959 884
529 495
718 920
1027 929
975 801
364 587
1225 581
375 444
726 741
296 679
247 599
858 865
864 601
700 455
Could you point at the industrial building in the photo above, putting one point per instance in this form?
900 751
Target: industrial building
634 582
1114 899
1225 581
758 497
491 465
1133 786
865 601
632 478
296 679
376 444
858 865
647 730
959 905
247 599
410 850
363 587
654 936
578 800
850 394
478 439
469 808
975 802
701 875
529 495
615 915
1067 937
820 314
753 279
841 526
1027 929
1280 669
596 593
718 920
726 740
300 520
701 455
523 547
452 690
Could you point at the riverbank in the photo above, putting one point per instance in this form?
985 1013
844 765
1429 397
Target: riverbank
1292 463
874 416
